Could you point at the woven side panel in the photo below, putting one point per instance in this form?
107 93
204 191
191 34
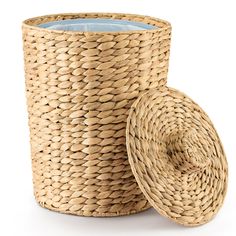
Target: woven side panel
79 90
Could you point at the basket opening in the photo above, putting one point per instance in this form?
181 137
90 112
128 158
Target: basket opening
96 25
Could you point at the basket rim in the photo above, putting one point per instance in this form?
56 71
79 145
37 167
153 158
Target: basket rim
31 24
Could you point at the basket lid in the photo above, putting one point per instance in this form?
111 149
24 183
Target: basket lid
176 156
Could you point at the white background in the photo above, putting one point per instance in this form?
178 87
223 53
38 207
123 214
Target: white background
202 64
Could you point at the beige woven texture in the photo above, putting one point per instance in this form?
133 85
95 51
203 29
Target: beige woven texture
80 86
176 156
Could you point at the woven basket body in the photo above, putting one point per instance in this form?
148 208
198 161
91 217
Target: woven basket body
80 86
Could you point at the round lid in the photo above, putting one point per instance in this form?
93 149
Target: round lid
176 156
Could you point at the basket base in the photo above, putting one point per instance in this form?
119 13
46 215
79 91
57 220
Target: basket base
94 214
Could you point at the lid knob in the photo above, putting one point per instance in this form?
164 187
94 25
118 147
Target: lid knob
186 152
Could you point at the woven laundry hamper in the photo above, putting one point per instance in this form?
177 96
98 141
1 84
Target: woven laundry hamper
80 86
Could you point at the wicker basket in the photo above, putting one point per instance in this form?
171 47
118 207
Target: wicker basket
80 86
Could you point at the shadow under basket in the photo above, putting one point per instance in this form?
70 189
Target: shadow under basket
83 72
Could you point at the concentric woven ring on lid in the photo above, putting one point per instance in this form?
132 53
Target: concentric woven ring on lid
176 156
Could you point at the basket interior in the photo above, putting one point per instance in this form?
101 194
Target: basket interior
96 24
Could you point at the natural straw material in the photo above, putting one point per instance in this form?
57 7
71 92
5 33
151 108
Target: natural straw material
80 86
176 156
